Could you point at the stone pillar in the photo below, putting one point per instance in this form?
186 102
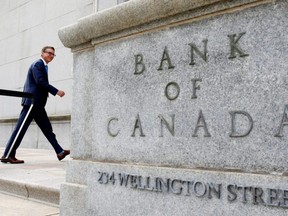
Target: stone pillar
180 108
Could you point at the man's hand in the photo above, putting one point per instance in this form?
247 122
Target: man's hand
60 93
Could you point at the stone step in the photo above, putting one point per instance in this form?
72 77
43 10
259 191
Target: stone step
31 191
39 178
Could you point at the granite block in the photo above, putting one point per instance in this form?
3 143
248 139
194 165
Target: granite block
182 112
223 110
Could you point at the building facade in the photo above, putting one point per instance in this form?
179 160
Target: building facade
26 26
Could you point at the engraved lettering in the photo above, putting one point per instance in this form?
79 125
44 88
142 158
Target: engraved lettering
273 197
138 125
176 91
215 188
162 184
244 193
139 65
257 195
284 122
139 183
232 196
169 127
199 189
233 127
100 177
201 123
147 186
108 127
202 55
179 188
105 178
165 57
133 181
187 184
233 46
112 178
284 198
194 83
123 178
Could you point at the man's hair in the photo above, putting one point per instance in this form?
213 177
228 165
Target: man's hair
47 47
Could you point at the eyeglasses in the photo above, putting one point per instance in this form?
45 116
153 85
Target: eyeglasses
50 53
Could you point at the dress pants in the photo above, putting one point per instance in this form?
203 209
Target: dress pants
38 113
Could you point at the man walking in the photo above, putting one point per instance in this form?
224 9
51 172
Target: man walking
36 83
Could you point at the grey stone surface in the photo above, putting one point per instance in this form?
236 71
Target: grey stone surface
83 110
154 105
12 206
74 200
207 193
255 84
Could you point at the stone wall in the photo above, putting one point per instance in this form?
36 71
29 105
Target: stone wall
181 109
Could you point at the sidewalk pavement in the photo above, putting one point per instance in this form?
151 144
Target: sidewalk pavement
15 206
38 179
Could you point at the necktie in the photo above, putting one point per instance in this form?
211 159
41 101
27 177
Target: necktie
46 67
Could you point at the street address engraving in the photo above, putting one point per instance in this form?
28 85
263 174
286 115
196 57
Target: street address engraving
247 194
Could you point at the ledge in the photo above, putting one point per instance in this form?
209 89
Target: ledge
52 118
31 191
138 16
123 16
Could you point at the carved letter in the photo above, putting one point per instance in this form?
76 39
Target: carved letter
179 188
216 188
138 125
284 198
133 181
147 186
170 128
139 183
233 130
177 91
199 124
233 195
108 128
284 122
257 195
195 87
100 180
202 55
244 190
123 179
273 197
165 57
139 63
233 46
162 185
197 189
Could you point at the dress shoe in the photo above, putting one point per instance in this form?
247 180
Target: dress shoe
11 160
63 155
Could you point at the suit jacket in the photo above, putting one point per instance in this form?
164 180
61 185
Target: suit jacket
37 83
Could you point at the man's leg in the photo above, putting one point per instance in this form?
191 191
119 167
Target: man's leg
22 116
42 120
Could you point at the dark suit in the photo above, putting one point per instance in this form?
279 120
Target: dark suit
36 83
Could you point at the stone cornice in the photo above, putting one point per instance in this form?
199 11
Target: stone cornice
92 29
